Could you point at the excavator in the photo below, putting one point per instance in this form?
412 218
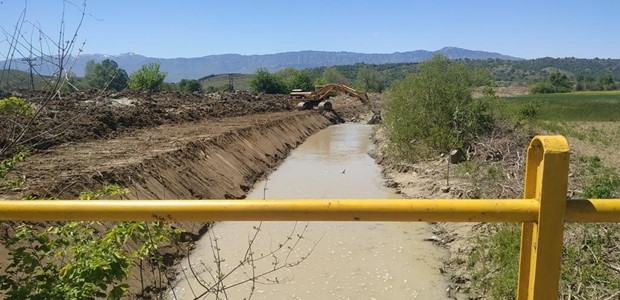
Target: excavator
317 99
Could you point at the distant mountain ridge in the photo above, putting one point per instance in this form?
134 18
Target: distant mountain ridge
197 67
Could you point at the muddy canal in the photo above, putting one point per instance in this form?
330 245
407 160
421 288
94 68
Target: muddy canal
337 260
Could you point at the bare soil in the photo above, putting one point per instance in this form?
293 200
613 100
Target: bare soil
163 145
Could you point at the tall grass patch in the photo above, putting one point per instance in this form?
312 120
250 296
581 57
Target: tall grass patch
577 106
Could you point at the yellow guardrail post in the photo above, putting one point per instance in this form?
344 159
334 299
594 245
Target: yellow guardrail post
546 180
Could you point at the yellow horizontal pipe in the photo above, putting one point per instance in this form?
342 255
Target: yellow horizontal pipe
445 210
593 211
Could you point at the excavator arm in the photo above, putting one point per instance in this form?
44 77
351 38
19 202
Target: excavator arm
322 93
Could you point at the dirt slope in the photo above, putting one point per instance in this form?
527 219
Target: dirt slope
158 146
170 161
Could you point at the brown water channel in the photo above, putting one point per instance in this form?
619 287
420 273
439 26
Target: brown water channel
339 260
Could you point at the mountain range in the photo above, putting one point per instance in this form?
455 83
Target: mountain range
197 67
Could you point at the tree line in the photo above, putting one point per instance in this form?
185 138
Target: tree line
544 75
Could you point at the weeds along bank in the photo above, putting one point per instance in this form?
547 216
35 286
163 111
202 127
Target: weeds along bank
431 113
483 259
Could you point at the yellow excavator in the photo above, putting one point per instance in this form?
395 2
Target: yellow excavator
317 99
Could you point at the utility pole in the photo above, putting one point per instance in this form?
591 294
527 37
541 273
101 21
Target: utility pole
30 61
231 81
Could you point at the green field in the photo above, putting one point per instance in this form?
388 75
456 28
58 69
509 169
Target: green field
577 106
240 81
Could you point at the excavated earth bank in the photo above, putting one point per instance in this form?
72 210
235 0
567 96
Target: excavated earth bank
193 155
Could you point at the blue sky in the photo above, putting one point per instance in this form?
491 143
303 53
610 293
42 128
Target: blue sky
193 28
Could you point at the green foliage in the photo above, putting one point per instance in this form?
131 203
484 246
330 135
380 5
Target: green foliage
605 82
147 78
9 163
494 262
190 85
331 75
15 107
76 260
576 106
529 110
602 185
433 110
585 273
589 251
555 83
227 88
601 181
105 75
108 190
294 79
264 82
370 80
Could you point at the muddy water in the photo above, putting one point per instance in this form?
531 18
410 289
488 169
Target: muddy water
320 260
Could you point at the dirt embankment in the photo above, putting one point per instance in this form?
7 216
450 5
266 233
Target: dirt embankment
208 159
86 139
86 116
158 146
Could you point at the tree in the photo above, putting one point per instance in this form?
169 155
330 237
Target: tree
606 82
106 74
433 111
555 83
332 75
370 80
147 78
296 79
264 82
190 85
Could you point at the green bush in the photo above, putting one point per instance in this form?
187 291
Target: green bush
76 260
190 85
529 110
264 82
555 83
147 78
433 110
9 163
15 107
370 80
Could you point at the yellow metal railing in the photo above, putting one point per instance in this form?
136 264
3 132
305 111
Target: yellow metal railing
543 213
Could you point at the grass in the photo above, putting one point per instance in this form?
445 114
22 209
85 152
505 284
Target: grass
240 81
589 257
586 273
15 79
576 106
494 263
